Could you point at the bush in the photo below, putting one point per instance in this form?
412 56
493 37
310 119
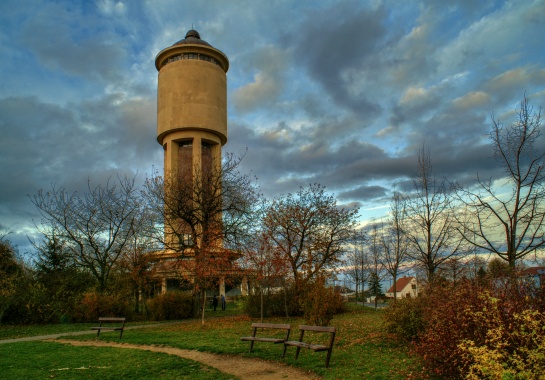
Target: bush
507 352
445 324
94 305
405 318
275 304
321 303
171 305
475 329
313 300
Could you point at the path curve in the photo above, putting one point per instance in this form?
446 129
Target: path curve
244 368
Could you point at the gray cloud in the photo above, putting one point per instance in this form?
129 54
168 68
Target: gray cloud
333 42
336 92
54 34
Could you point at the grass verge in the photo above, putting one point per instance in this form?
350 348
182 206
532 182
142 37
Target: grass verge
42 360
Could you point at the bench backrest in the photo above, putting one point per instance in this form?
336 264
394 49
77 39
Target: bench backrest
106 319
318 328
270 326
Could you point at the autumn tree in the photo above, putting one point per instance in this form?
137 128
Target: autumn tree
394 239
203 220
95 227
267 267
310 230
506 215
431 224
15 282
137 266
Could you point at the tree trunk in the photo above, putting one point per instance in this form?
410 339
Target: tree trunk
261 291
203 306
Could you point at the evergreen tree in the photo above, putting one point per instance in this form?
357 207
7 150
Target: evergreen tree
375 287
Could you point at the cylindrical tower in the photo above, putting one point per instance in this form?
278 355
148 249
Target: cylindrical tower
191 105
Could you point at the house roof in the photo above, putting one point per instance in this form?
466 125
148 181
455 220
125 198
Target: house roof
400 284
535 271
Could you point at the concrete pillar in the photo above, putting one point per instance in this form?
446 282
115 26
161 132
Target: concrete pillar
244 286
163 285
222 286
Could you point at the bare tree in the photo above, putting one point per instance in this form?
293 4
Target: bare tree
455 269
506 217
96 227
212 210
430 219
356 263
310 230
203 219
375 262
394 240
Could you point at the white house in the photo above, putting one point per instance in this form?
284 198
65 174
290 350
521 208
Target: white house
405 286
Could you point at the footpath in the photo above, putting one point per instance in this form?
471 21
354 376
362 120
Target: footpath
241 367
86 332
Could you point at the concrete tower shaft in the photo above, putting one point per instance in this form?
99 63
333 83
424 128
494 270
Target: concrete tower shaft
191 118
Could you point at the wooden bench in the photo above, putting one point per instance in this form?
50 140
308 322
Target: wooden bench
255 338
119 327
315 347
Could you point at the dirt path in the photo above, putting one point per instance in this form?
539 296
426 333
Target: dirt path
244 368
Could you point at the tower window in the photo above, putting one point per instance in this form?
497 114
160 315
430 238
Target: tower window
201 57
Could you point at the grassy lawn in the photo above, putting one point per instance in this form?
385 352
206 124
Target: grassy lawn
362 349
42 360
21 331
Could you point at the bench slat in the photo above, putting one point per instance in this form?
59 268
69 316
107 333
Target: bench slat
258 325
315 347
107 328
271 326
110 328
318 328
260 339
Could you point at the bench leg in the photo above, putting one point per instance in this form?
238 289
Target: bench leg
297 352
328 357
284 353
120 333
251 345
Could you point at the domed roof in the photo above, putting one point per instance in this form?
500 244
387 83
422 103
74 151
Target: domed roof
192 37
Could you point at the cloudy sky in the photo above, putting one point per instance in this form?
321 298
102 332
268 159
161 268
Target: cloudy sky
341 93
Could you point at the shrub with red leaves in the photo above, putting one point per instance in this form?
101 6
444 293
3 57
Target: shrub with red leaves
447 316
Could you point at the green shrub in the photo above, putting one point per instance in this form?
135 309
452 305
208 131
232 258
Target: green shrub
171 305
275 304
405 318
313 300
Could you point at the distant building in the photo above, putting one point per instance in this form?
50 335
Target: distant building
344 291
403 288
537 274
